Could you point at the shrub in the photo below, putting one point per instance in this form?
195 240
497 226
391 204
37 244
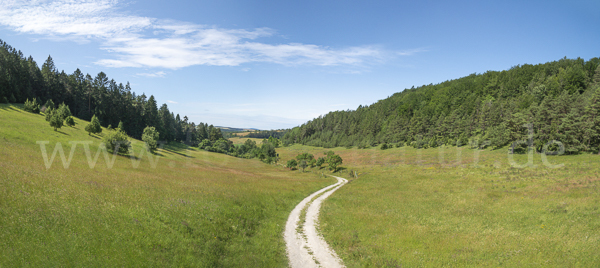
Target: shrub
49 104
303 164
320 162
70 121
117 141
292 164
334 161
205 144
63 111
32 106
55 121
12 98
94 126
4 100
220 146
150 137
48 113
384 146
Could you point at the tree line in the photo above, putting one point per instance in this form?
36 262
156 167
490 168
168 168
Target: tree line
540 104
265 134
112 103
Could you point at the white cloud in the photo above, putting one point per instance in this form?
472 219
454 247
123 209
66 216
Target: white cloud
156 74
172 102
138 41
410 52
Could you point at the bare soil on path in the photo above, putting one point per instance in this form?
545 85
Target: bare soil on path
305 247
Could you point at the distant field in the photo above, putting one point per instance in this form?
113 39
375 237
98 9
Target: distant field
409 209
241 140
195 209
241 134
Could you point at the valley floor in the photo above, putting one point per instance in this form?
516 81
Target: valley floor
461 207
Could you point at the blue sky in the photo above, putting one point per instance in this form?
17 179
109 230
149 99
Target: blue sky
277 64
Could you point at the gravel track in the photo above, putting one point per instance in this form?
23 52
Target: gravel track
305 247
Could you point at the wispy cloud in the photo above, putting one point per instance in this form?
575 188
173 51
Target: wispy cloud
155 74
137 41
172 102
410 52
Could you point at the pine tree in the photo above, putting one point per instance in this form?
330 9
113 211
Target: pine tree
121 127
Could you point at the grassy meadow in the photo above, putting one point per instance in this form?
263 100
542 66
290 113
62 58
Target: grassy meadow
194 208
461 207
242 139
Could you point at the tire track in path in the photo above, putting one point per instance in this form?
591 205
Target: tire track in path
305 247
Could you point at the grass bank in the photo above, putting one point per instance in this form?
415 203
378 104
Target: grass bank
194 208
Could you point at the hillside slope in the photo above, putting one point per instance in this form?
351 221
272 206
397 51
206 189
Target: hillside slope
194 208
559 99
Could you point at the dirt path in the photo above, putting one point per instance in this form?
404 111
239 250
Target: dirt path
305 247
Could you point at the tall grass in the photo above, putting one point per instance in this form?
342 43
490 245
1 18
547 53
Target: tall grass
408 208
194 209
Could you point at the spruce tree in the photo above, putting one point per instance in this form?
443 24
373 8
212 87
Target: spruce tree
591 120
121 127
56 121
94 126
48 112
49 104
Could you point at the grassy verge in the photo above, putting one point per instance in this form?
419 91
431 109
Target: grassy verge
194 209
412 207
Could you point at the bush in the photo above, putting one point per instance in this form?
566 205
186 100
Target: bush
48 113
94 126
221 146
117 141
70 121
12 98
63 111
334 161
320 162
292 164
150 137
205 145
384 146
32 106
49 104
55 121
4 100
303 164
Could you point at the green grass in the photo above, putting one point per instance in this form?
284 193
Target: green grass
408 209
195 208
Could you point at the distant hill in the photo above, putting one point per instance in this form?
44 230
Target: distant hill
560 101
233 129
